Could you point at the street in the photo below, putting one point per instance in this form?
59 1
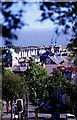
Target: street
31 114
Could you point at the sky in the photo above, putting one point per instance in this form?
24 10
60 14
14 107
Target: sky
39 37
36 33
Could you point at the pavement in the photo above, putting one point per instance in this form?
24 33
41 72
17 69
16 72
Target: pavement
7 116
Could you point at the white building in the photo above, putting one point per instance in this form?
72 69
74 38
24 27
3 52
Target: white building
31 51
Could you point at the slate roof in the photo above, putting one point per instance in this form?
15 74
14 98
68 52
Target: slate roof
48 53
54 59
58 59
49 67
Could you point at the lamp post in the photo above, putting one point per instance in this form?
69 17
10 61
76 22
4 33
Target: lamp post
27 103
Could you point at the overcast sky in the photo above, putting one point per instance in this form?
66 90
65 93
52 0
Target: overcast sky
37 33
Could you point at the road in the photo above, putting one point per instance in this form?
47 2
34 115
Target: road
31 114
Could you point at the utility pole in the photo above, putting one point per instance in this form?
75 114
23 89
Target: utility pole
11 110
24 103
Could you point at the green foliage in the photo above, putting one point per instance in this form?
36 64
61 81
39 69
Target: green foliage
12 21
1 110
11 85
36 77
38 84
41 85
64 86
65 11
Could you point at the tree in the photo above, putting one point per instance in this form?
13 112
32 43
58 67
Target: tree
61 85
61 13
56 87
42 86
11 87
35 79
11 21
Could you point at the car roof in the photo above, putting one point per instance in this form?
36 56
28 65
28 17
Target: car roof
67 114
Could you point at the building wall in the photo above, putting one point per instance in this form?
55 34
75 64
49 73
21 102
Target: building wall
32 51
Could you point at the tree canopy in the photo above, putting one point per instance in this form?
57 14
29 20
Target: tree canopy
36 77
12 20
38 84
11 85
61 13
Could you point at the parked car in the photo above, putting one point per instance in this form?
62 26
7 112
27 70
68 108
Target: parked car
68 116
